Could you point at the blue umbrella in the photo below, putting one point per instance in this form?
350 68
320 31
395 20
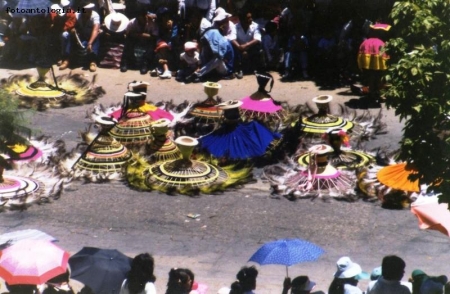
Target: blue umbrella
287 252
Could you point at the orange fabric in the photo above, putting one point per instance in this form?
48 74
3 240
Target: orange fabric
396 177
71 20
66 23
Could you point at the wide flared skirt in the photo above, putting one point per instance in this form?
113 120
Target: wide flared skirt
152 110
241 141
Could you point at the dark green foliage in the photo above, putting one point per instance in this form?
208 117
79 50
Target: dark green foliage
12 122
419 87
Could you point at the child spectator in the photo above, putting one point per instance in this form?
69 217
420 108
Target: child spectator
189 61
164 60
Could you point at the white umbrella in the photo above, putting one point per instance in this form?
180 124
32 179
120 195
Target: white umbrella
11 238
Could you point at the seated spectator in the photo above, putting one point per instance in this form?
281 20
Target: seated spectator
86 42
425 284
247 279
113 39
346 277
140 278
222 22
190 61
392 271
247 45
299 285
196 25
169 32
140 42
61 28
219 56
164 60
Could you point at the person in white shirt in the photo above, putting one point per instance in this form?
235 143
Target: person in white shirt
190 61
392 271
247 45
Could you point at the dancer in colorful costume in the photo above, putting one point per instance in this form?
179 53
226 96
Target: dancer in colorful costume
236 139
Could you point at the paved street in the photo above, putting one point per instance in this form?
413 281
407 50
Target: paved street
232 225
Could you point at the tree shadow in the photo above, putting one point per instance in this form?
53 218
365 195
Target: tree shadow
363 102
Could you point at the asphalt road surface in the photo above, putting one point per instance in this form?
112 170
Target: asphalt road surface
232 225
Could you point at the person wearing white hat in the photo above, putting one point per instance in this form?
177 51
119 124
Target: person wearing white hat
113 38
222 22
190 61
346 277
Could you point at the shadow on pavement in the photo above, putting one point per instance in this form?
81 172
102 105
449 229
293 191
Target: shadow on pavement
363 102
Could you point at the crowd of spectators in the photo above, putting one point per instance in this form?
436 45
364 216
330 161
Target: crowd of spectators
384 279
191 40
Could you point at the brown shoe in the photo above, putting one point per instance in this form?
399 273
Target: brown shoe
92 67
64 65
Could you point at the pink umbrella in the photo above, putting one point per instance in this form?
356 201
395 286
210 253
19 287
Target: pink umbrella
32 262
431 214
